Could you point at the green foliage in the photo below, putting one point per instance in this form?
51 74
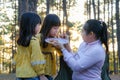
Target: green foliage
53 2
1 42
76 25
69 24
3 17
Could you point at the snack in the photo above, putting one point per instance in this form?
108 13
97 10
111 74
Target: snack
53 40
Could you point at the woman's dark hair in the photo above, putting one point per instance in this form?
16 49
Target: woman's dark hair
28 22
50 21
99 28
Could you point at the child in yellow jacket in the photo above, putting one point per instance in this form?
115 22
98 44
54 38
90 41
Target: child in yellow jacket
50 29
29 60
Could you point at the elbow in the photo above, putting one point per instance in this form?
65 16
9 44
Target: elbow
74 67
77 68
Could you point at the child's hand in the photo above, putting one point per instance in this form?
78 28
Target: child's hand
43 77
52 41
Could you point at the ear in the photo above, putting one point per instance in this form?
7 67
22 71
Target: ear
92 34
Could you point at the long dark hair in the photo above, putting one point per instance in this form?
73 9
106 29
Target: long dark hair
99 28
28 22
49 21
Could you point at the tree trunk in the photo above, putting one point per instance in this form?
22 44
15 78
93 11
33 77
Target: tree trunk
32 5
65 17
118 28
104 9
108 13
89 9
98 9
26 5
114 59
94 10
48 6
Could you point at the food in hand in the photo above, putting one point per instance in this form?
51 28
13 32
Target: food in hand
56 40
53 41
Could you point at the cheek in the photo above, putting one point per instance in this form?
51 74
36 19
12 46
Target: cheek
37 29
84 37
51 33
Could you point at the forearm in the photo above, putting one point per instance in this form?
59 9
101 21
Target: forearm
67 46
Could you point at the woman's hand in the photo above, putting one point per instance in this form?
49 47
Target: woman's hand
67 46
57 44
64 36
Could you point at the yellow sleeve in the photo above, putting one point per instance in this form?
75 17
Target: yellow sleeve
37 58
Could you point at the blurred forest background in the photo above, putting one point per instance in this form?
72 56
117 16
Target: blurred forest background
73 14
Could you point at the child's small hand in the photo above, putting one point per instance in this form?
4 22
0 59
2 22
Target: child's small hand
43 77
52 41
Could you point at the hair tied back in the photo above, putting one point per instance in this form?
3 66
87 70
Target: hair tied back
101 23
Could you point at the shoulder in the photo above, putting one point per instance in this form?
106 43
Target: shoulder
34 40
96 51
82 45
93 48
38 35
98 48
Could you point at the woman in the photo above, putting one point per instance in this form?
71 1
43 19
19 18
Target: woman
87 63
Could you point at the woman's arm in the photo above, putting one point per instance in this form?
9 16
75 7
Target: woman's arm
67 46
84 61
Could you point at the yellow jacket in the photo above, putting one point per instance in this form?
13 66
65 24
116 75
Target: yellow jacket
50 57
29 61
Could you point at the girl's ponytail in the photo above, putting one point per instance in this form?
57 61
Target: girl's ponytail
104 36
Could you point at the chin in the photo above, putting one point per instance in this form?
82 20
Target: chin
53 35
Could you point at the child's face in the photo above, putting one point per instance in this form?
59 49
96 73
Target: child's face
37 29
53 32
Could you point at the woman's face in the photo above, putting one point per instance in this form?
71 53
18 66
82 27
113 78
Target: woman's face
37 28
54 31
88 37
84 35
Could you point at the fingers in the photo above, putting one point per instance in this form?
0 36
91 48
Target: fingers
52 41
65 36
62 35
57 44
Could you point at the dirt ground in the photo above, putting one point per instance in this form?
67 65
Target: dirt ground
115 77
12 77
7 76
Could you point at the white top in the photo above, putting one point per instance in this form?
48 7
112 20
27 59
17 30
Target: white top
87 62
